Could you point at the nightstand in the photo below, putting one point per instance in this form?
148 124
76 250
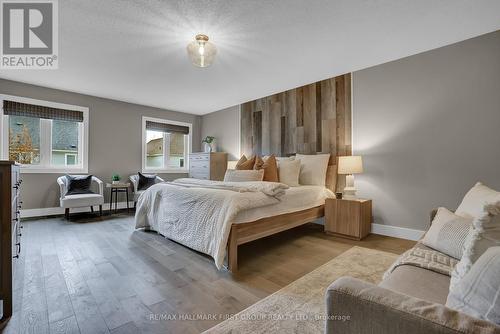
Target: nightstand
348 218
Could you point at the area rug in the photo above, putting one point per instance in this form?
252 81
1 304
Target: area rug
300 306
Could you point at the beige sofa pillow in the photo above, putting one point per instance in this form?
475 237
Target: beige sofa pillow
234 175
485 233
447 233
477 294
476 198
313 168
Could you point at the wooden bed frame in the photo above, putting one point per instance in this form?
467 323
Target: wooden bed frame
241 233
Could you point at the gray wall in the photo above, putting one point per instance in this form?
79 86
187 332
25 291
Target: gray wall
114 138
427 127
225 126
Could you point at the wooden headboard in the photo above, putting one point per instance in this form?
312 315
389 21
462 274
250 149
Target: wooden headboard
331 178
311 119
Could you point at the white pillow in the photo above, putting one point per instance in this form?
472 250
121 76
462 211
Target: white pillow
313 168
234 175
447 233
477 293
485 233
474 201
289 171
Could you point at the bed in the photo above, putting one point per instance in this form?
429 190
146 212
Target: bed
215 217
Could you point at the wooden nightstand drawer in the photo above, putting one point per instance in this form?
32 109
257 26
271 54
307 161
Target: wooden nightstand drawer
350 218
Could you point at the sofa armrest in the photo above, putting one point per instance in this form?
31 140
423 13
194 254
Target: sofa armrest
62 187
135 181
372 310
100 184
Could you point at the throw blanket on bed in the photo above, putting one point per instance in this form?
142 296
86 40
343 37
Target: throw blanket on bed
425 258
198 213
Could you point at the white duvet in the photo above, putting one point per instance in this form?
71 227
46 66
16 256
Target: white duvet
198 213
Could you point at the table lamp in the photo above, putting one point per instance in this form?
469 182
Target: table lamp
350 165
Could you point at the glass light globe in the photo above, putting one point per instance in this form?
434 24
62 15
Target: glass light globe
201 51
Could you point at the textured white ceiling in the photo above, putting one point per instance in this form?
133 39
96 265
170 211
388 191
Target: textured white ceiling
135 51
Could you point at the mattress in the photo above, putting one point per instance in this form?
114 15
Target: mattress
295 199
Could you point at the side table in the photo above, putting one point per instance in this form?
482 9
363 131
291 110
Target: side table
115 189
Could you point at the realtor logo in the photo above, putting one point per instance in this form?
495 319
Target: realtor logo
29 34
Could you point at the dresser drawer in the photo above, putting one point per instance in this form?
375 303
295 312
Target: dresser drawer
199 164
199 157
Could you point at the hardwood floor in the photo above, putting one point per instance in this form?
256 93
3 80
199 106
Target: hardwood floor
96 275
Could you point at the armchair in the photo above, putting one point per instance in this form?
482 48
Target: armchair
81 200
135 182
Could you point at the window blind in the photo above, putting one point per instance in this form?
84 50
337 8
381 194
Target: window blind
31 110
165 127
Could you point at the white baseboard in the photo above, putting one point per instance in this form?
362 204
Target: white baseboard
40 212
397 232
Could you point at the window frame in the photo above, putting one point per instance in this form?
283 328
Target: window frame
166 169
46 138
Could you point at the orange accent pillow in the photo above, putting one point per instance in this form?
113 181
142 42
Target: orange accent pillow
245 164
269 166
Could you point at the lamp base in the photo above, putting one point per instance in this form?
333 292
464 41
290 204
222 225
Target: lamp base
349 190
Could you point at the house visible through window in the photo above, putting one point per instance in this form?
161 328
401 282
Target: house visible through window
43 138
166 145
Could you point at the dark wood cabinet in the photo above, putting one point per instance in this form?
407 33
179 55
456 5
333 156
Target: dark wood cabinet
10 228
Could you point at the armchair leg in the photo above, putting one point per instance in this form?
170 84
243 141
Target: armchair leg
100 210
135 205
92 209
66 213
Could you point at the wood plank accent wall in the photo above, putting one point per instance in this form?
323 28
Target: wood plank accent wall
311 119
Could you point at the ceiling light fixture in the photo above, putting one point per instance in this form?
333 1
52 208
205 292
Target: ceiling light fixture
201 51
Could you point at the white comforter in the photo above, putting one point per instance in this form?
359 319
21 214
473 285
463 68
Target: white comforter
198 213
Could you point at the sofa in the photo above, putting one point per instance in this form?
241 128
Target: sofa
409 300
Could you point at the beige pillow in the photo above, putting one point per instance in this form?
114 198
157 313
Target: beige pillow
234 175
448 233
477 293
289 171
313 168
476 198
485 233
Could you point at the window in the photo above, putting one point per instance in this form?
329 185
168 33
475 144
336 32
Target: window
166 145
44 137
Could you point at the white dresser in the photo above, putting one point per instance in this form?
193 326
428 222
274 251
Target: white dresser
208 166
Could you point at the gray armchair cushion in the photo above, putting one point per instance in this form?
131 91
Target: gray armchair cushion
376 310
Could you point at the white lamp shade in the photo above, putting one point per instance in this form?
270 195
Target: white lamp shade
350 165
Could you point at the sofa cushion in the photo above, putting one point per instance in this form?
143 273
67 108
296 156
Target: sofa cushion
477 293
476 198
447 233
418 282
78 201
485 233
